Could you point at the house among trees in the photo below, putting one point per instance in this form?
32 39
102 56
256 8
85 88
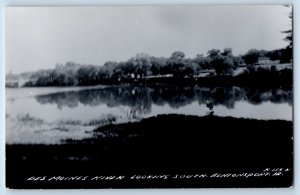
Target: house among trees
206 72
266 61
242 64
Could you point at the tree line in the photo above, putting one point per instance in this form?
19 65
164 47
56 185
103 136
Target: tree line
143 66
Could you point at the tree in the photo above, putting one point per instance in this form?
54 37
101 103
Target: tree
176 64
289 36
83 76
157 64
223 65
275 54
221 62
213 53
227 52
238 60
138 66
201 62
155 69
177 55
118 73
109 67
251 57
287 53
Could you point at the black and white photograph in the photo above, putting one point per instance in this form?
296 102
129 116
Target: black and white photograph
165 96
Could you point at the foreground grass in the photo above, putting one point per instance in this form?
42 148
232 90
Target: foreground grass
25 129
166 143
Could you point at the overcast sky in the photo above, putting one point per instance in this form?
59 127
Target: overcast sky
40 37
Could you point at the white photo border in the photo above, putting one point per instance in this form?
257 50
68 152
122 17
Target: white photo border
257 191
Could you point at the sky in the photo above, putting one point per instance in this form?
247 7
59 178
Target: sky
40 37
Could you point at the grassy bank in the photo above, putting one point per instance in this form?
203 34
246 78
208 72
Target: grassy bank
159 145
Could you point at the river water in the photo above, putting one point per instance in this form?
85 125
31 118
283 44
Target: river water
51 114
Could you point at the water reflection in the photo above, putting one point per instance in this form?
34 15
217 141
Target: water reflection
53 115
140 98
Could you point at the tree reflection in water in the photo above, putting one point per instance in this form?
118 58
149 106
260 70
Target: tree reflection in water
141 98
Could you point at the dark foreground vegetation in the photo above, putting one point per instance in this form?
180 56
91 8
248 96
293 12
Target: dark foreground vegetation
165 144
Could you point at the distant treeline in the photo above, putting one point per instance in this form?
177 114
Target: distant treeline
143 67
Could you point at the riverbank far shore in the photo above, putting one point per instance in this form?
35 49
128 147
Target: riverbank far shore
164 151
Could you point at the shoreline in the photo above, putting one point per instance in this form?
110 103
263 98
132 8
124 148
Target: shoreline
175 144
260 77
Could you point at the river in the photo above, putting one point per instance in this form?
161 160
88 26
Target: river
51 114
